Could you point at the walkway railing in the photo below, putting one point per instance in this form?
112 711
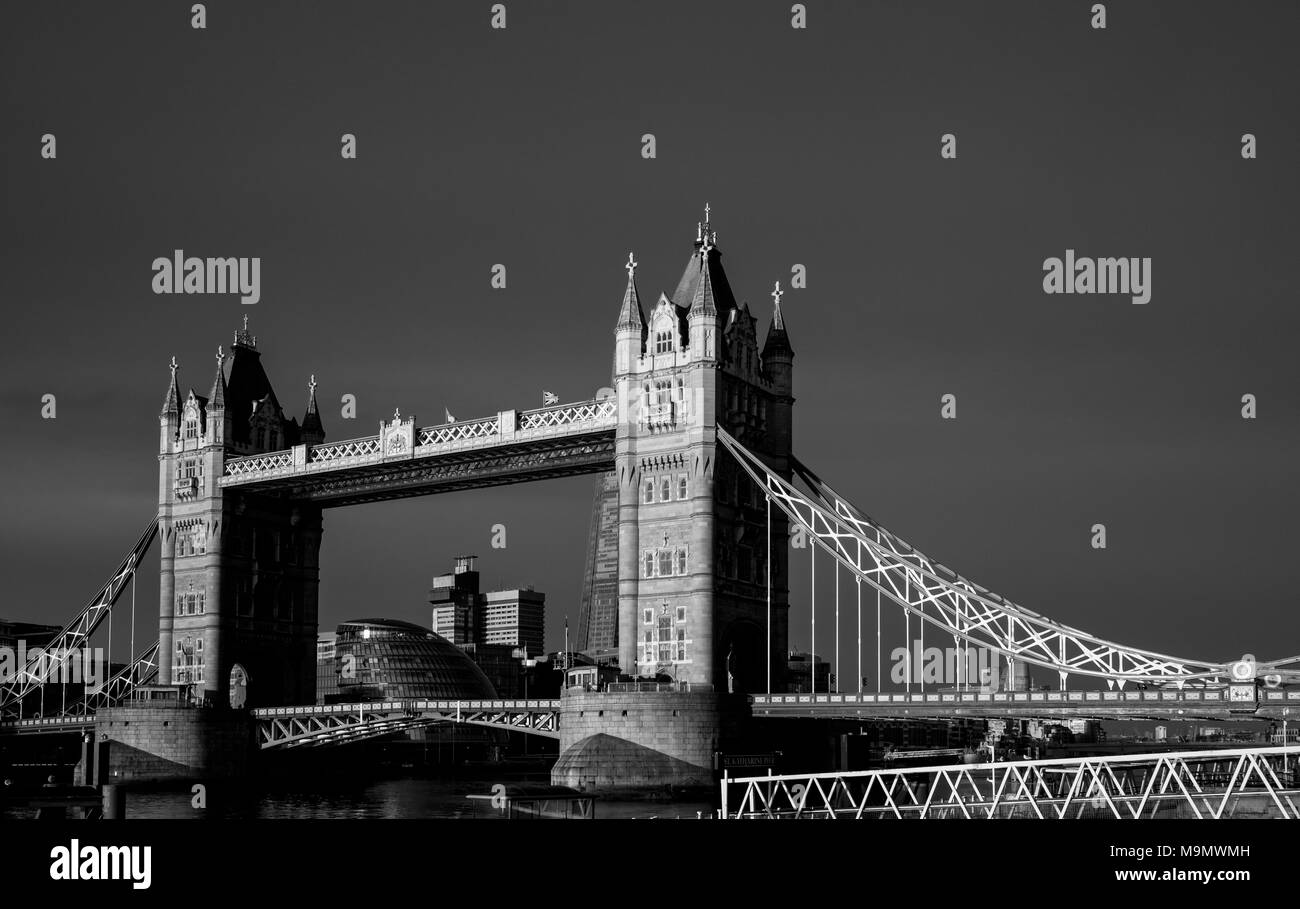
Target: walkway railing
1038 698
508 427
1202 784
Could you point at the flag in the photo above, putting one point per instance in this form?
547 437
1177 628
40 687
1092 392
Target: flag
447 414
548 398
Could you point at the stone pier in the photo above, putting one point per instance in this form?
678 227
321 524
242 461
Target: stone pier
640 740
162 739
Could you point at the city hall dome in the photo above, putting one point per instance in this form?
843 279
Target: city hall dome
393 659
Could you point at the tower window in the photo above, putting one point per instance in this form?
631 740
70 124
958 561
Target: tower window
647 616
680 558
665 490
744 567
648 492
681 486
191 429
665 563
649 565
663 342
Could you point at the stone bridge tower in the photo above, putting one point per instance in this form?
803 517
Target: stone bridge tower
239 571
692 546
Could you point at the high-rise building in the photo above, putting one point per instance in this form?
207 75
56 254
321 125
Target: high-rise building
454 598
463 615
513 617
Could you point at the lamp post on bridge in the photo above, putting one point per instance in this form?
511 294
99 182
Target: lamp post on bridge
526 663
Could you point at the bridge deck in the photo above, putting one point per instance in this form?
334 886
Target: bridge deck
1115 704
510 447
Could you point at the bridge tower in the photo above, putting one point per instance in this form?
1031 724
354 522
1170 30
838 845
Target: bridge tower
239 571
692 534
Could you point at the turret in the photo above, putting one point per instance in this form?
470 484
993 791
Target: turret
169 419
703 315
218 420
778 356
313 431
631 331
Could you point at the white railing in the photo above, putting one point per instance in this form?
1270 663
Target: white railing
569 415
459 432
352 448
584 416
276 460
1205 784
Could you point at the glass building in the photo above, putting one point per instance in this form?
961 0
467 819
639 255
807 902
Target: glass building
386 659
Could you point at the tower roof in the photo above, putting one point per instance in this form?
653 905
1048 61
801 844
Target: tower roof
217 397
248 384
778 340
172 401
704 297
705 260
311 424
631 316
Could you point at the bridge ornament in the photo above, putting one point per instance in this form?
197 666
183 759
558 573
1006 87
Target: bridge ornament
397 438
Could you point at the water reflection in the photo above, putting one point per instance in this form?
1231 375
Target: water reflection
390 798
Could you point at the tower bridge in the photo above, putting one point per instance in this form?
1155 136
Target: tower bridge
697 490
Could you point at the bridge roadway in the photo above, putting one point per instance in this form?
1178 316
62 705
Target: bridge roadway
280 727
1160 704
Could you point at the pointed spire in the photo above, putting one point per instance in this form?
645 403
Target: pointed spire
630 316
217 397
778 341
313 432
702 301
172 403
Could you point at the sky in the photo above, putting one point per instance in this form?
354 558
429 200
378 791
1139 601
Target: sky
817 146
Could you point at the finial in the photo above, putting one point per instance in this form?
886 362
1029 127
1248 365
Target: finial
699 232
706 212
173 367
397 414
630 266
777 294
221 356
708 244
245 321
311 385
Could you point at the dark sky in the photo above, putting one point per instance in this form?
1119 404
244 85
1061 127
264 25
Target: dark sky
818 147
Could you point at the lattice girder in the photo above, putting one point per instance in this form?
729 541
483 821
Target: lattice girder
945 600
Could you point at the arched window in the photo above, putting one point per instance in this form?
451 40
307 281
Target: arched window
664 329
665 637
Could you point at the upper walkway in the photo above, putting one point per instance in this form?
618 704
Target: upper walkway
510 447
